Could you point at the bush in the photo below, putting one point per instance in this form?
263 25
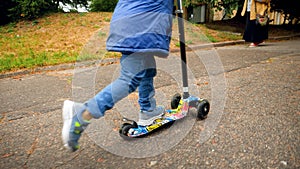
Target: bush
13 10
5 12
103 5
29 9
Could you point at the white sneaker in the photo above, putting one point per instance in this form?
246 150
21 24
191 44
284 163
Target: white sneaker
67 118
147 117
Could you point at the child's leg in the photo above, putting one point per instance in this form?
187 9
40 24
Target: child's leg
146 94
149 112
133 70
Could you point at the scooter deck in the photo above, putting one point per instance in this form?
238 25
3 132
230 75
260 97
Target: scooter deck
170 116
132 129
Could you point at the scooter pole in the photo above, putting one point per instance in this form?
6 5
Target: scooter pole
182 49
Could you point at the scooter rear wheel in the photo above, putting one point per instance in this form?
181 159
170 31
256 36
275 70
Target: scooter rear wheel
125 129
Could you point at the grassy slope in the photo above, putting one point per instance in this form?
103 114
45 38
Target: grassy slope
59 38
53 39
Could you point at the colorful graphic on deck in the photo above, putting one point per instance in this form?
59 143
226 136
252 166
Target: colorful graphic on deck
169 116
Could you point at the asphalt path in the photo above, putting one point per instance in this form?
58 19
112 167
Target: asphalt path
253 123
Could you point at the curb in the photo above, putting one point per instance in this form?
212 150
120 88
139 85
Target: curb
115 60
59 67
237 42
285 37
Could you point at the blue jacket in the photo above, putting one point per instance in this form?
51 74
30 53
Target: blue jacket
141 26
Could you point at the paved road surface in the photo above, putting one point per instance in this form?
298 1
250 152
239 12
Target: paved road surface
254 120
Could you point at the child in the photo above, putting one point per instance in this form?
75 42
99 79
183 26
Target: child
140 30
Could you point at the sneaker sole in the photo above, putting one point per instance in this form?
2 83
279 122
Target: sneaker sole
67 118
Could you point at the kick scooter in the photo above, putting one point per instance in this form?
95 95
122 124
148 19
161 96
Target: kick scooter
180 105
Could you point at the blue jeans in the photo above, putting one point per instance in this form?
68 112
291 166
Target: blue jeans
137 71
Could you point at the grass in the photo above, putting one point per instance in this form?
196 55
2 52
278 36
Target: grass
53 39
217 35
61 38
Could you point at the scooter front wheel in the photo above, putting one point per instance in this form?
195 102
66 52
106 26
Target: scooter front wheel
203 109
175 101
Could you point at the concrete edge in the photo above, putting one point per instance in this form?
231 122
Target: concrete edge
59 67
114 60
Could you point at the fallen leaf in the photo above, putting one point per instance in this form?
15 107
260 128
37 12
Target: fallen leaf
100 160
6 155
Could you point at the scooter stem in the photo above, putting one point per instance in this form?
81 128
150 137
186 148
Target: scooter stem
182 49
